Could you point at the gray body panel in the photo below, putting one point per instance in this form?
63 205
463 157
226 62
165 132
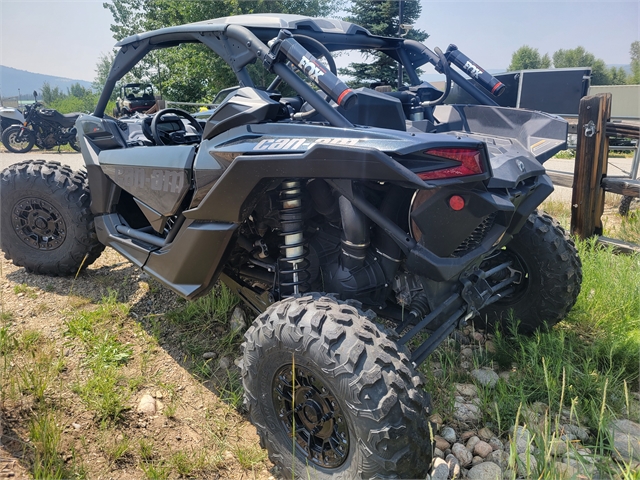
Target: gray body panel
158 176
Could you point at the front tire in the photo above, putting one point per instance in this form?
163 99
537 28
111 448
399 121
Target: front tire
47 226
73 143
18 141
552 275
356 401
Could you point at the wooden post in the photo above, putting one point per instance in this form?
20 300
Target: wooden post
587 201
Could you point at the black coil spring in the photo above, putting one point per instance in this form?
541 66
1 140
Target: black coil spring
291 222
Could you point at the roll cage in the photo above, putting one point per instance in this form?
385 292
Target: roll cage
241 40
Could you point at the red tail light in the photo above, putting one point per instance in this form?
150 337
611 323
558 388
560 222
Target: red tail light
470 163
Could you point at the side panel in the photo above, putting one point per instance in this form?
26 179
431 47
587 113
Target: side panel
190 264
229 197
158 176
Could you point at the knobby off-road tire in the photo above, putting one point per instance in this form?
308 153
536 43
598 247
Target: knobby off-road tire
349 371
553 275
9 139
47 226
73 143
625 205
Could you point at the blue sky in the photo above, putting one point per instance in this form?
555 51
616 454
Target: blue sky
66 38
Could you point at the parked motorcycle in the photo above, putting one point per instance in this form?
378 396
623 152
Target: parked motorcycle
44 127
10 116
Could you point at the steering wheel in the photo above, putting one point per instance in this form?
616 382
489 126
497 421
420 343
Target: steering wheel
319 51
175 138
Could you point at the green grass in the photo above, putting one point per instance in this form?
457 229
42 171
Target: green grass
105 390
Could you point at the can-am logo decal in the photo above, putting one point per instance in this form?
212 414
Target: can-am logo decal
310 68
301 143
159 180
472 70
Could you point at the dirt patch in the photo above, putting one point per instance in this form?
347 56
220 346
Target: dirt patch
193 429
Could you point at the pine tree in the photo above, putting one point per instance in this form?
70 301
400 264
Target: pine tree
381 17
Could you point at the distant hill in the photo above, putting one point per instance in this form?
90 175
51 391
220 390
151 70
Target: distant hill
12 79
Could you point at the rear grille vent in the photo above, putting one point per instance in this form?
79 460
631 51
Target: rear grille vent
473 241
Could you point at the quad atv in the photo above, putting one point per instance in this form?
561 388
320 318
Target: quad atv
134 98
362 226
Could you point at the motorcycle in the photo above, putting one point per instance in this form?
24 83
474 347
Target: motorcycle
10 116
43 127
361 226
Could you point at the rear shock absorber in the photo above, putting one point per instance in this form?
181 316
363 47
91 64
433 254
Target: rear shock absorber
293 266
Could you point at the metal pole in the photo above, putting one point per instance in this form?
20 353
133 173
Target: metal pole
400 14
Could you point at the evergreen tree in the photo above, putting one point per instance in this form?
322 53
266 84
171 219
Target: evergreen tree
381 17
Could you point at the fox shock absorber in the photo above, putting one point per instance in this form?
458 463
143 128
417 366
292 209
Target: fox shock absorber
292 264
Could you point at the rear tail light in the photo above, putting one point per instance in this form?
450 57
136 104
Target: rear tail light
470 163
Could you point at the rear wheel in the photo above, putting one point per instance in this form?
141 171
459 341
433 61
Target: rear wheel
18 139
47 226
551 275
327 383
625 205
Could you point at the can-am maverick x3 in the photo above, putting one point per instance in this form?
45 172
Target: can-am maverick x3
318 210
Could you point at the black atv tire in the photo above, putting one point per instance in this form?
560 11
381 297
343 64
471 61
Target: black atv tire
625 205
73 143
46 223
348 368
553 275
9 140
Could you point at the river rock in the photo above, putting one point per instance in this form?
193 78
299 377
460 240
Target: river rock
485 434
476 460
626 440
454 466
479 337
523 439
495 443
466 412
580 432
499 457
485 377
485 471
467 389
224 363
471 443
441 443
467 435
527 465
466 352
449 434
440 470
462 454
482 449
209 355
238 320
147 405
436 419
557 448
438 453
564 471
